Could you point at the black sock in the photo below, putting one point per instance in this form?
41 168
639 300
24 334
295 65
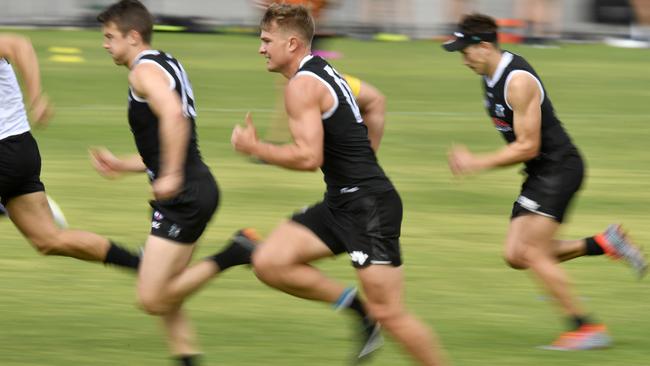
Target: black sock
368 322
121 257
592 247
357 306
578 321
188 360
233 255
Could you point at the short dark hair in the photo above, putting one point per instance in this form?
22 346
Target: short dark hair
478 23
293 17
129 15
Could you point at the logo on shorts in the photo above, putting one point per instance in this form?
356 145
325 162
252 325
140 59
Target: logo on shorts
155 225
158 216
359 257
349 190
174 231
527 203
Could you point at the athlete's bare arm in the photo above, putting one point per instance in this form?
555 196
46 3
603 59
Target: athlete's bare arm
110 166
524 97
19 51
152 83
372 104
305 99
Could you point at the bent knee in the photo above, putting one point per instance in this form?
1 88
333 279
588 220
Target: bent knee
153 305
515 261
48 245
386 314
267 267
260 262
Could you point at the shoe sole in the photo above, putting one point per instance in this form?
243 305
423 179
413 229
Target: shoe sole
630 253
597 341
373 343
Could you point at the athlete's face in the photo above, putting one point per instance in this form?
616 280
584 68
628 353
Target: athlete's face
275 47
116 43
474 57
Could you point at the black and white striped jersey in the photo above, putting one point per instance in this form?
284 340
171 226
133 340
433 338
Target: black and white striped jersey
556 143
349 163
144 123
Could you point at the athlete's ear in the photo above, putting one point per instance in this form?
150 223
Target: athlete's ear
294 42
488 46
133 37
485 48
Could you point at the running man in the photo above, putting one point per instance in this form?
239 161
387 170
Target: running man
361 213
21 191
522 112
162 119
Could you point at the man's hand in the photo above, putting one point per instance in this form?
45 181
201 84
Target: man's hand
462 161
105 163
41 110
244 139
167 186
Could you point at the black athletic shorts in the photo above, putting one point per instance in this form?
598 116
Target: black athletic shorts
183 218
367 227
548 191
20 167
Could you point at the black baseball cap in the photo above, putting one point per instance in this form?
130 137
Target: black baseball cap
464 39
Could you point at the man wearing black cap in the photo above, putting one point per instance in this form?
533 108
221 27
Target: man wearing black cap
519 106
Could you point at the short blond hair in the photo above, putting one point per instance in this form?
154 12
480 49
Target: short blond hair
289 17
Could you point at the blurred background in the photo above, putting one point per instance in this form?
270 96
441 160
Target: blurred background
59 312
571 19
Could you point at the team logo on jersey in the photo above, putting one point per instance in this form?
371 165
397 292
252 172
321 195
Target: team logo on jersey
158 216
501 125
499 110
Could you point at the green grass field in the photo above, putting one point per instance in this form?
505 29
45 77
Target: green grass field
58 311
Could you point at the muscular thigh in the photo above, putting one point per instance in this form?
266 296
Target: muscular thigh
292 242
383 287
530 231
319 220
32 215
162 260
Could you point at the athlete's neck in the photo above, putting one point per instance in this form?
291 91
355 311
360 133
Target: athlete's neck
493 62
294 66
135 52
